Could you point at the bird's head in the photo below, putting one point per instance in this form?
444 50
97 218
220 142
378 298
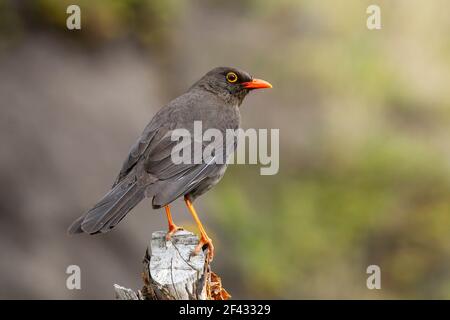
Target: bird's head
231 83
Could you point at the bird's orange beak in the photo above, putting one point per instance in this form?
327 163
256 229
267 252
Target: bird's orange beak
256 84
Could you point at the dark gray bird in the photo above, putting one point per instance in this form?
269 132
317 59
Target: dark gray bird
149 170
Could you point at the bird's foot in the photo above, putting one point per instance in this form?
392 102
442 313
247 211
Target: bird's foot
173 228
205 241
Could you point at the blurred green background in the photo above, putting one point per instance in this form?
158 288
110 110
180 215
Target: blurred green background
364 119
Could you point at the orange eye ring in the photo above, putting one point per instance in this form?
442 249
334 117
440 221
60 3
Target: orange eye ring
231 77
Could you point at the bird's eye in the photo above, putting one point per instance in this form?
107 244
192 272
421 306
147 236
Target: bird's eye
232 77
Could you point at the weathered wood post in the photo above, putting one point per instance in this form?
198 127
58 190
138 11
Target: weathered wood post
171 272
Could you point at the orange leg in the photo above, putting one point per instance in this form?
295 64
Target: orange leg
173 228
204 239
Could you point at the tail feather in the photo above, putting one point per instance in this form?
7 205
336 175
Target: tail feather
110 210
75 227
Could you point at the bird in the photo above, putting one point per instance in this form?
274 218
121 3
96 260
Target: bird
149 170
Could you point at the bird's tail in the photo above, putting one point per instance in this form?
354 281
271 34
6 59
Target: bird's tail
112 208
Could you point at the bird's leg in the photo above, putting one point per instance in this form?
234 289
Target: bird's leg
204 239
173 228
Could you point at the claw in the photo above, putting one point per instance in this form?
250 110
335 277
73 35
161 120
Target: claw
208 242
172 230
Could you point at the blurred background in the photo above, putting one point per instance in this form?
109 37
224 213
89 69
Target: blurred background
364 119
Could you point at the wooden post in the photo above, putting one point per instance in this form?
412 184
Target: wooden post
172 272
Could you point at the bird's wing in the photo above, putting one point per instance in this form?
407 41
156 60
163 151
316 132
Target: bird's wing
154 148
181 178
138 150
164 120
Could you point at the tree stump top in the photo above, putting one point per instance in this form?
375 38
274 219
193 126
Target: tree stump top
172 272
174 268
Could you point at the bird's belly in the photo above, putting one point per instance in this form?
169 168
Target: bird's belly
207 183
